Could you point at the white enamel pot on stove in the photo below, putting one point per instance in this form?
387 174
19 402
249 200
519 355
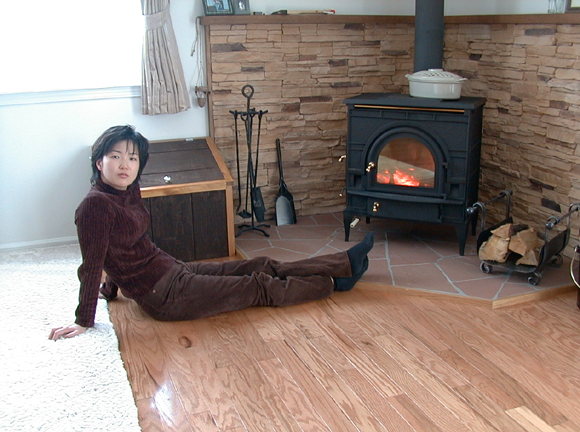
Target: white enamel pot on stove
435 84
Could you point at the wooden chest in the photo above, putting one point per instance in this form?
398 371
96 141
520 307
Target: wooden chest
187 188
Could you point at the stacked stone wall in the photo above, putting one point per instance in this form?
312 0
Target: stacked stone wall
301 73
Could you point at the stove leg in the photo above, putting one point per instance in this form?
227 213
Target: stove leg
473 221
346 219
461 231
578 299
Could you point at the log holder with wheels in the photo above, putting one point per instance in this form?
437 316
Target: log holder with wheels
550 253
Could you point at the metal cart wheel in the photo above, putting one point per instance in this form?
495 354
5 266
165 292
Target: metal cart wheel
535 278
486 268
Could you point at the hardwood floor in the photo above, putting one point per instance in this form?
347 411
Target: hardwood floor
359 361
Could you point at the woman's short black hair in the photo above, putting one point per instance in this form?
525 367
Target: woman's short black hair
112 136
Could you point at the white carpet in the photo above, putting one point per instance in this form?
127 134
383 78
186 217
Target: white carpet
76 384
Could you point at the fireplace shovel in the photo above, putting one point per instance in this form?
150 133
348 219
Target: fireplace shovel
285 211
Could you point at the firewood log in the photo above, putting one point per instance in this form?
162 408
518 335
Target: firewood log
494 249
504 231
512 239
531 257
525 241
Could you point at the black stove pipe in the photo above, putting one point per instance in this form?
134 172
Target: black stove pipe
429 33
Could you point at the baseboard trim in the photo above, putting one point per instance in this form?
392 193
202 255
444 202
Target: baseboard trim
60 241
420 293
535 296
493 304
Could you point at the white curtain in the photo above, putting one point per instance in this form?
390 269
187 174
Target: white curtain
163 89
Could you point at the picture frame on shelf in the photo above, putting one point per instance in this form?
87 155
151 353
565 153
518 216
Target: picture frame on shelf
218 7
241 7
572 5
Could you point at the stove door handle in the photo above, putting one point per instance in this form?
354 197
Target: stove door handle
370 167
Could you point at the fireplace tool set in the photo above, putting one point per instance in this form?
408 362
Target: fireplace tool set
253 193
549 253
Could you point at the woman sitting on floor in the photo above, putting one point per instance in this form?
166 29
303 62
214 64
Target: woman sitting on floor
112 225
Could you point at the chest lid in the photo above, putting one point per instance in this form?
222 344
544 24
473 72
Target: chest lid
180 161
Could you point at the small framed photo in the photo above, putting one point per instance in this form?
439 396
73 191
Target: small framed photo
241 7
573 6
218 7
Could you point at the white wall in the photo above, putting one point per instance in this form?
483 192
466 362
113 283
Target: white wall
44 148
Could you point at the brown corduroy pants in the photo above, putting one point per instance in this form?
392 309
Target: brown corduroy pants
200 289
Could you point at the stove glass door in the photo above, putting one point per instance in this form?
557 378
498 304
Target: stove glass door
406 161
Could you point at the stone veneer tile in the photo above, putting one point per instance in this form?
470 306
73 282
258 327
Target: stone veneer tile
284 254
513 289
257 235
378 272
487 288
461 268
379 250
250 245
551 275
404 249
327 219
340 245
305 232
310 247
305 220
329 250
448 248
421 276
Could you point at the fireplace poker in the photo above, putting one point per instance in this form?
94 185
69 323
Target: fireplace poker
255 192
260 114
243 213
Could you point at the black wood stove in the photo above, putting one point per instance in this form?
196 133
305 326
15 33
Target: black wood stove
413 159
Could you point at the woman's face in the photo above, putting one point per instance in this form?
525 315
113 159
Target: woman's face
119 167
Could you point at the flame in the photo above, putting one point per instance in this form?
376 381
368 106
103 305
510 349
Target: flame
398 177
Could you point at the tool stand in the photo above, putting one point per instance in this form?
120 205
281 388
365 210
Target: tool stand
253 193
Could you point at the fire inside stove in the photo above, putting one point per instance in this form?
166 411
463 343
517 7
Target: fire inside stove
406 162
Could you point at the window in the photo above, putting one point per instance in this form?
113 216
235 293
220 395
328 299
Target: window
69 45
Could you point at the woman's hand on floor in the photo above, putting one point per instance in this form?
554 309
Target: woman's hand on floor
68 331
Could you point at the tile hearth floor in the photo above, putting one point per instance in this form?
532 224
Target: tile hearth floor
418 257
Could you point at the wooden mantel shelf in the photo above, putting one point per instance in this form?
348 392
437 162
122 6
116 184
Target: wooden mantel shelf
568 18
